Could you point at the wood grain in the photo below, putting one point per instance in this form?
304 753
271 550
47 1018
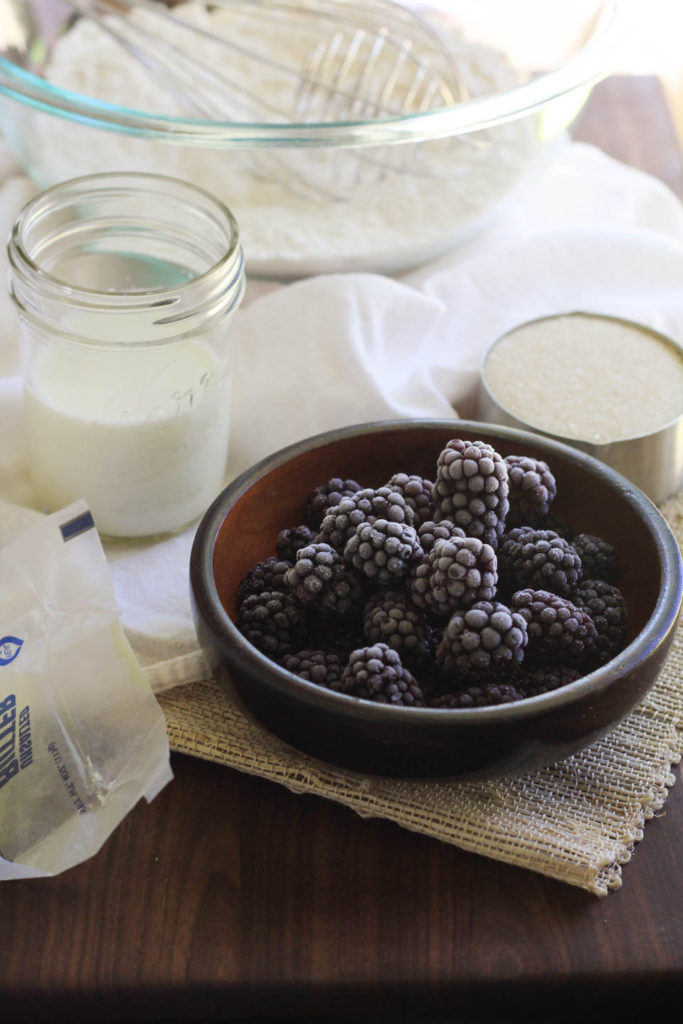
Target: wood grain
628 118
229 897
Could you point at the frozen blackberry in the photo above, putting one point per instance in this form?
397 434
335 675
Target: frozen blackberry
606 606
487 638
320 667
289 541
273 621
532 490
383 551
340 521
390 617
325 496
598 557
545 678
266 575
429 532
539 559
478 696
417 492
455 574
471 489
558 631
320 578
376 673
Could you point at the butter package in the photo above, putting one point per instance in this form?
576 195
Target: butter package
82 737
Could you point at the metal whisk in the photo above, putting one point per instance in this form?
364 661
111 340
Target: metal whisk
337 61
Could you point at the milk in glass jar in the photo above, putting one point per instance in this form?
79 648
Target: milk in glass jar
125 285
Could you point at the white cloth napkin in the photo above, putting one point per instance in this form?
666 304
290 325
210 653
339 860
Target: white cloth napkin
338 349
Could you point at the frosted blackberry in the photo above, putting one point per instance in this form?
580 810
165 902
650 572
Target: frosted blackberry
340 521
606 606
383 551
558 631
532 490
289 541
429 532
539 559
273 621
598 557
455 574
471 489
485 639
545 678
390 617
478 696
320 667
319 578
325 496
417 492
266 575
376 673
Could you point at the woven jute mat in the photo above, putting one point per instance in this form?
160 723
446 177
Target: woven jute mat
577 821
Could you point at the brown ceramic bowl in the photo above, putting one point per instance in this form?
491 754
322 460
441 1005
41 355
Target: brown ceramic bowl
241 526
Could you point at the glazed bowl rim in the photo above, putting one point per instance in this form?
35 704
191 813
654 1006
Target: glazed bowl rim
217 620
581 70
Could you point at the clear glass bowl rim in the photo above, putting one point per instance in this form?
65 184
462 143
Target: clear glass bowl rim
582 70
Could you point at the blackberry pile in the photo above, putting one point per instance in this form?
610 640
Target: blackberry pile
471 489
365 506
377 673
532 488
266 575
606 606
540 559
479 696
455 574
558 630
321 578
417 493
383 551
429 532
598 558
391 617
290 541
545 678
325 496
322 667
461 592
272 621
486 640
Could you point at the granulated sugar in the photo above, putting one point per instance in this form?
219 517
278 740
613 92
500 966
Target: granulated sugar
427 197
587 378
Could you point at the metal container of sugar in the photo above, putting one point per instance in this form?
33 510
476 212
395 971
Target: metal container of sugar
610 387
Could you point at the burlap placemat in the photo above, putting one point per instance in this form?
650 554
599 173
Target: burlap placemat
577 821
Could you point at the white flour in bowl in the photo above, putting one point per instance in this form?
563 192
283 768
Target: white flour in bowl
430 197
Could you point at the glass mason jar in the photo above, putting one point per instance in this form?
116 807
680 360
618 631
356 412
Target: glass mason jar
124 286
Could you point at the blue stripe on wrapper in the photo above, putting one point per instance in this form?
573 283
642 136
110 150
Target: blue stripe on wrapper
79 524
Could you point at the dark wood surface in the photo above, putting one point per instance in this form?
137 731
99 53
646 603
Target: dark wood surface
627 116
229 897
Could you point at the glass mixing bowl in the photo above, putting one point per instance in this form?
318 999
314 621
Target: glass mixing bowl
380 193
